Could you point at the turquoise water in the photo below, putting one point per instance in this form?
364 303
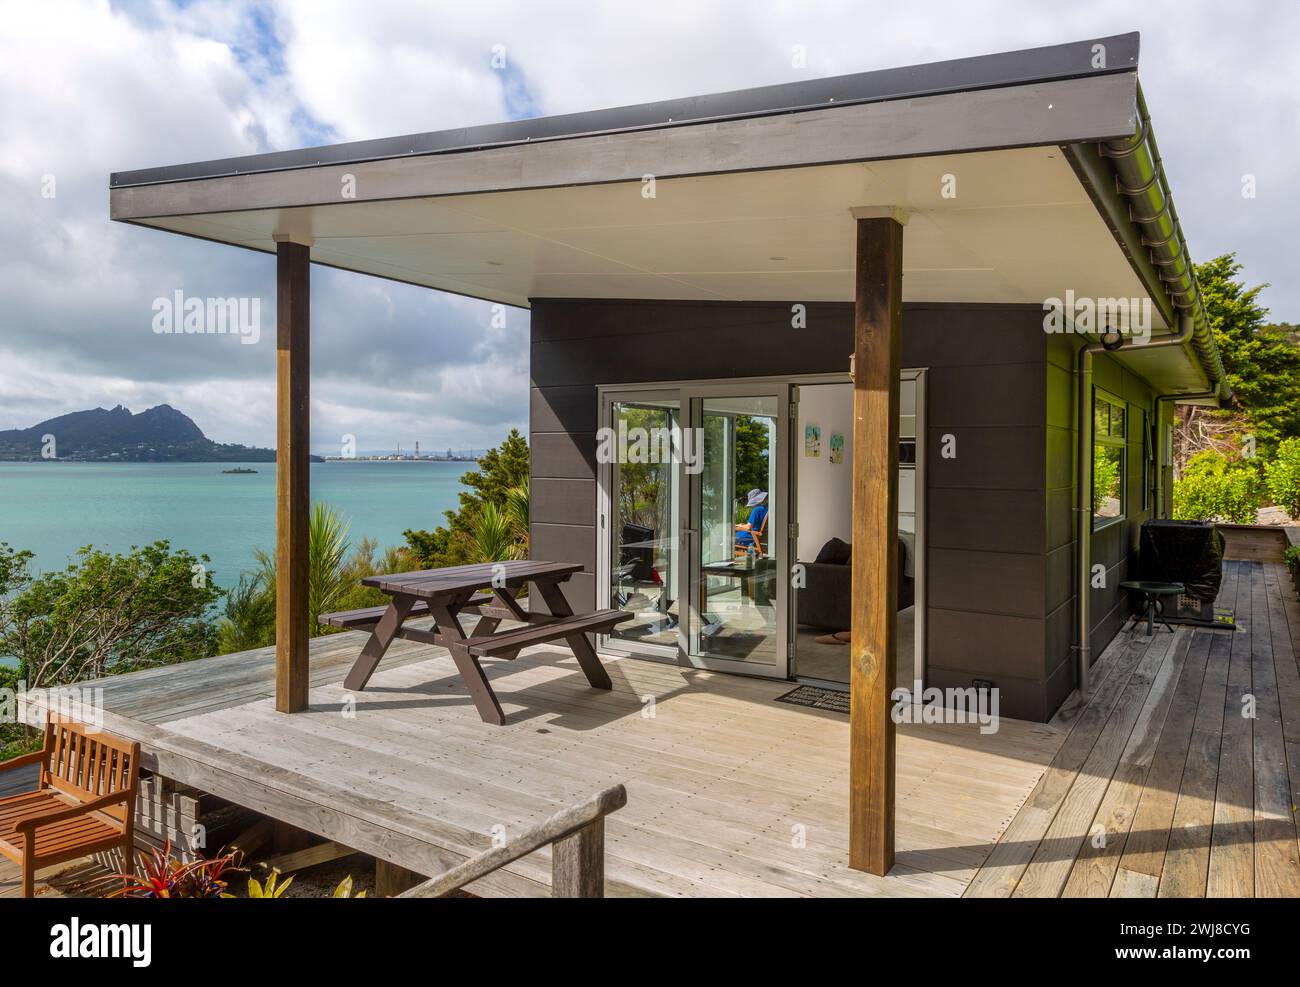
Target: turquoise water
53 508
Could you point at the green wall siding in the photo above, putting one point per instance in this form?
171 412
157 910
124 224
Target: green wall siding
1116 545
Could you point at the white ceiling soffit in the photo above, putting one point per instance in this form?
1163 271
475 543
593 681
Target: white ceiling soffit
1009 226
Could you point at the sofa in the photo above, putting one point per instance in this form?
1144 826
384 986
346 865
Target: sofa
823 600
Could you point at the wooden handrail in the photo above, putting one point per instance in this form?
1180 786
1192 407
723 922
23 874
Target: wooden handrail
577 862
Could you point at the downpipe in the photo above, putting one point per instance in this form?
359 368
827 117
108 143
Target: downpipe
1139 178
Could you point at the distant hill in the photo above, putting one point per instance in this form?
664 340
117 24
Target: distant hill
160 434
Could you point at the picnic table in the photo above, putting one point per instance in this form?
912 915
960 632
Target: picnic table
489 590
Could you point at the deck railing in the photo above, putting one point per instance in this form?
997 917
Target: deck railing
577 837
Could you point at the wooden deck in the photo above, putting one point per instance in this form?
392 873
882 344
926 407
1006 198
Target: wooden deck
1167 785
76 879
1156 785
729 792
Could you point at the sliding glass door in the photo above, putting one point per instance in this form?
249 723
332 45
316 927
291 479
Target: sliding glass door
701 533
693 524
639 518
736 544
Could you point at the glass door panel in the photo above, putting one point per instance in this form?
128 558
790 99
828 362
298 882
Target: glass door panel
641 450
738 551
821 505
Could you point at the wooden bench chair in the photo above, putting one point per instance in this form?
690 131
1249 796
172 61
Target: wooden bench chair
758 535
84 802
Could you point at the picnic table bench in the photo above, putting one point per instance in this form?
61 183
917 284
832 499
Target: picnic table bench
488 590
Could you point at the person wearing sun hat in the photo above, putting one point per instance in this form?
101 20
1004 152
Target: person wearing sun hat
754 531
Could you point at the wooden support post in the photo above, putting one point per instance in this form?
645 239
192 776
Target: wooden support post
391 880
254 838
877 319
292 496
288 838
578 863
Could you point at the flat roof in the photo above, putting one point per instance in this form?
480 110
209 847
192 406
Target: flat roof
750 193
1076 59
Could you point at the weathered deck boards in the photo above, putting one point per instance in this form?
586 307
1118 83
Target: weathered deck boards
1180 777
729 792
17 780
74 879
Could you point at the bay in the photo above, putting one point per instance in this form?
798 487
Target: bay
53 508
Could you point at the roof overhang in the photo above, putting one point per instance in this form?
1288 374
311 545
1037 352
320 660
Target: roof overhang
751 195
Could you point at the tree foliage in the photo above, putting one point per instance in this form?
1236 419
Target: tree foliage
1282 475
248 621
1215 488
105 613
1105 477
335 568
752 453
1228 460
1262 360
500 481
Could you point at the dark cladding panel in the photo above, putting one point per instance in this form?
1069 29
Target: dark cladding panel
986 510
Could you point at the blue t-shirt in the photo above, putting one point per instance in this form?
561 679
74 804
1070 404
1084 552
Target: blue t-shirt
756 518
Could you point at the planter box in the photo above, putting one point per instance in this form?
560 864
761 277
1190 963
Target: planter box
1254 542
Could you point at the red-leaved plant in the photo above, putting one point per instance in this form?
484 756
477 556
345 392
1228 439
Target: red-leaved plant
162 877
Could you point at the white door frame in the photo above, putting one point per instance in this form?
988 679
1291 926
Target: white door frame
689 587
608 393
607 396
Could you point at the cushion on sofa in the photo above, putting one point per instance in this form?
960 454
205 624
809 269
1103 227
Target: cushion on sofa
835 552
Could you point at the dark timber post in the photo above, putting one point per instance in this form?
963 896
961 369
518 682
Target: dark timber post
877 318
292 497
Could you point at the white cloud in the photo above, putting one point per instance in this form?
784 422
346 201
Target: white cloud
88 87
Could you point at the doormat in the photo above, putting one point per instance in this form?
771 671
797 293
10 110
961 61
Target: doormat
815 697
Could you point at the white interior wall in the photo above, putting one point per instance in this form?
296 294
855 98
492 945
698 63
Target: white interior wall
825 490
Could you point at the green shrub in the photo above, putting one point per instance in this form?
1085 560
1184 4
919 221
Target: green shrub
249 618
334 573
502 473
1214 488
1292 558
1282 474
1105 478
106 613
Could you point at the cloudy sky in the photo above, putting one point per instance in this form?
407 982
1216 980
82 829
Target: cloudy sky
91 86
